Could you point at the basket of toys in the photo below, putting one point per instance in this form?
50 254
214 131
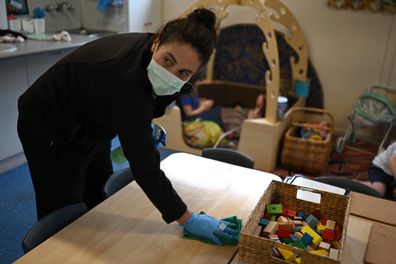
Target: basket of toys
293 224
307 142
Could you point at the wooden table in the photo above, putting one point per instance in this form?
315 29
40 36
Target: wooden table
127 228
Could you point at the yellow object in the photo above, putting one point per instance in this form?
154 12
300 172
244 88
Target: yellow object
316 238
286 254
298 260
321 227
320 252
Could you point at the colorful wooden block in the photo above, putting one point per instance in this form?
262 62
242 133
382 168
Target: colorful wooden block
273 237
298 244
323 221
287 254
320 227
298 260
263 222
282 219
291 213
320 252
298 235
271 228
286 225
274 209
273 217
324 245
302 215
306 239
286 241
297 222
312 221
330 224
333 254
283 233
316 238
328 234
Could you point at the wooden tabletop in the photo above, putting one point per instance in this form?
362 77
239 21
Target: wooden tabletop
127 228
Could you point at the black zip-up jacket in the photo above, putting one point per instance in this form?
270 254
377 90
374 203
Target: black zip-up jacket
101 90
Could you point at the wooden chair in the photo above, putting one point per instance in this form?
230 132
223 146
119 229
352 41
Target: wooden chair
259 138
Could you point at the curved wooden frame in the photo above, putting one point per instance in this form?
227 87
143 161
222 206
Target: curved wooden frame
260 137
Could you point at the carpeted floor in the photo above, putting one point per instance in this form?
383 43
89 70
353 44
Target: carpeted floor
17 207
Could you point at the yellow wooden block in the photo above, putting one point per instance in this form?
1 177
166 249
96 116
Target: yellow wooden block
319 252
316 238
286 254
298 260
321 227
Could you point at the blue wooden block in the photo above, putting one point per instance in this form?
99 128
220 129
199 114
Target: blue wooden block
312 221
302 215
264 222
306 239
294 238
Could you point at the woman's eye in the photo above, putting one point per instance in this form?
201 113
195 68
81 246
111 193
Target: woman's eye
168 62
184 74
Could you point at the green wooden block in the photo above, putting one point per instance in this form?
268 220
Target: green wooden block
273 218
274 208
298 244
285 240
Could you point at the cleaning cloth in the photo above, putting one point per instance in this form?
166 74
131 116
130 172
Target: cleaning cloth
233 241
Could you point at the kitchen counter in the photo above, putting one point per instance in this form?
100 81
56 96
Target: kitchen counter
37 46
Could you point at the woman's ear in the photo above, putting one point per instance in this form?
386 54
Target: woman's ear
154 46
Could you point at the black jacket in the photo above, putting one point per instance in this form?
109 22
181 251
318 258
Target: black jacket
101 90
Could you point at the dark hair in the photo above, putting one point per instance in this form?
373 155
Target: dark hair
197 29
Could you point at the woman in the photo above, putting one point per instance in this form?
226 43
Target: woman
113 86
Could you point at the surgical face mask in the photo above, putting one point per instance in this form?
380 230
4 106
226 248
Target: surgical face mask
163 82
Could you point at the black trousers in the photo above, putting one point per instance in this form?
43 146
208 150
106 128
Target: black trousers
63 172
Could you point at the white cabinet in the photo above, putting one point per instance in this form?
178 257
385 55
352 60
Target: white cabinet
37 64
13 84
16 75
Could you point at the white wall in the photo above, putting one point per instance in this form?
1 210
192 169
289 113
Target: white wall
350 49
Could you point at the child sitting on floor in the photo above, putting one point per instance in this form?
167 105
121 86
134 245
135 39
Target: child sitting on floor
382 173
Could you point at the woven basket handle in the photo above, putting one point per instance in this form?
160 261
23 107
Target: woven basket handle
290 114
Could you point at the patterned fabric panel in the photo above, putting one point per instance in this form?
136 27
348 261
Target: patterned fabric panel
240 59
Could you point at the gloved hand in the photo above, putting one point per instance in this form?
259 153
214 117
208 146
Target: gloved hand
209 227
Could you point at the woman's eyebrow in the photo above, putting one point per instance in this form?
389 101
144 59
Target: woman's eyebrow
174 61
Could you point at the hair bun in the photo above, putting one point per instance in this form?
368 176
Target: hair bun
204 16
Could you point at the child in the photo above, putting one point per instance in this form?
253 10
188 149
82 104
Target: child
382 173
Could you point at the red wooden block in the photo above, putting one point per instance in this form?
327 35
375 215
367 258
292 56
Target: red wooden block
328 234
323 221
283 233
291 213
317 214
284 211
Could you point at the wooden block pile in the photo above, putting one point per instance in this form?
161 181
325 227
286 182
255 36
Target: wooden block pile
313 233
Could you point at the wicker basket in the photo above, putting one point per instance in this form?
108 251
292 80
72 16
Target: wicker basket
305 155
256 249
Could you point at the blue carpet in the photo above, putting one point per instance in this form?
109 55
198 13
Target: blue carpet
17 207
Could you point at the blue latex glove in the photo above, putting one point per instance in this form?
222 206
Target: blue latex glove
209 227
103 4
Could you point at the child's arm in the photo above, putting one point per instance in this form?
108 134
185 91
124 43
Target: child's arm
392 165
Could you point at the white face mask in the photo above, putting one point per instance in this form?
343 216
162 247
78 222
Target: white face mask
163 82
